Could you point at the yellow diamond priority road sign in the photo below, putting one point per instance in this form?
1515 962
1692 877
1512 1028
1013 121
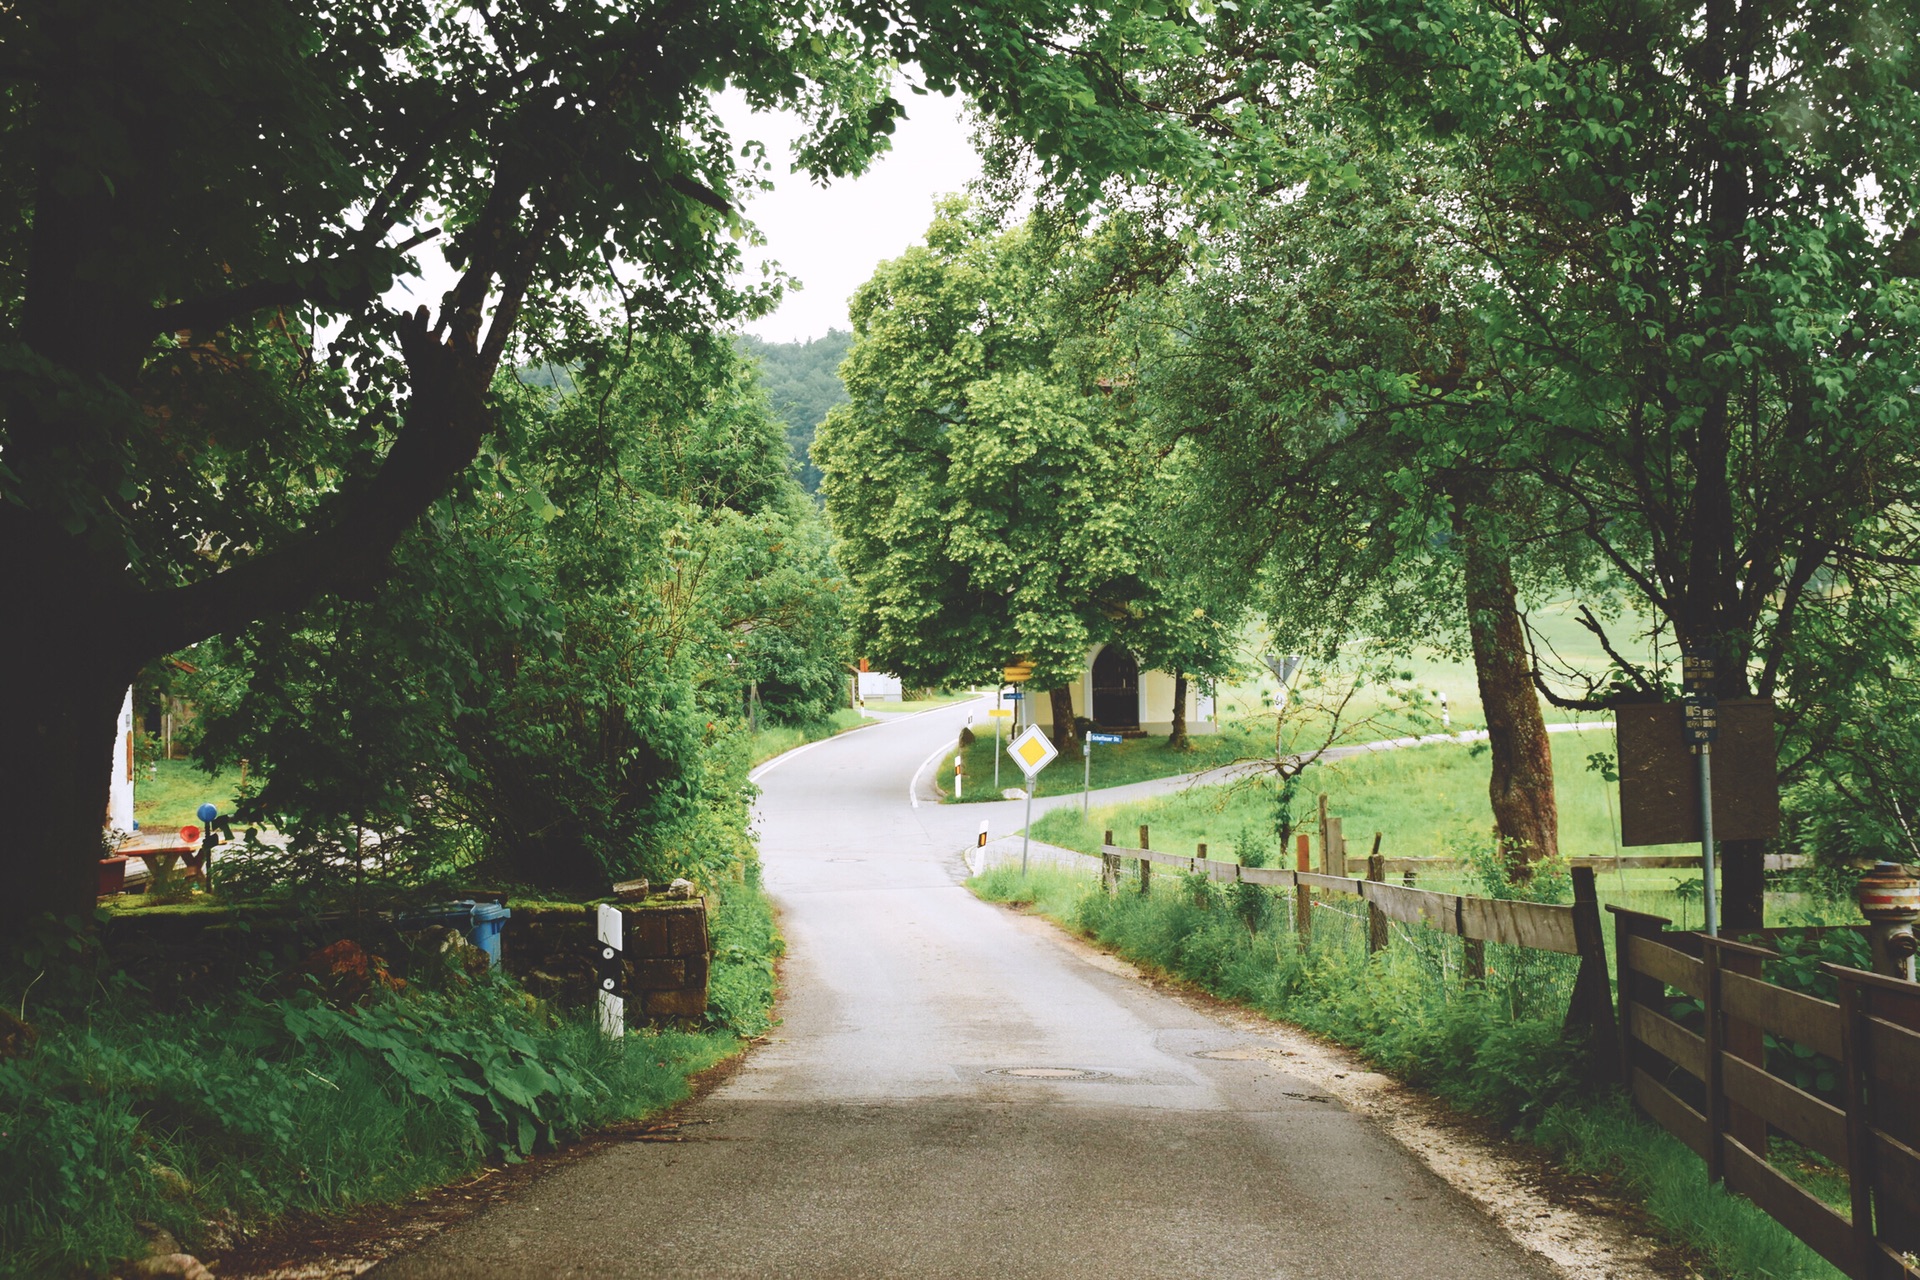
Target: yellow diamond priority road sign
1032 751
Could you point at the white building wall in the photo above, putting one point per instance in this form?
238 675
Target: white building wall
878 686
1156 701
120 797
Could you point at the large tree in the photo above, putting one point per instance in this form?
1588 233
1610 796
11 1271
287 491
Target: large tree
193 193
1317 377
979 490
1695 223
1691 225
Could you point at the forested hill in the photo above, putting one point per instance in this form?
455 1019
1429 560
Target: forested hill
803 382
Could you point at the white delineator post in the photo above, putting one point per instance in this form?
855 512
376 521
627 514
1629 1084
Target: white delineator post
613 1008
959 778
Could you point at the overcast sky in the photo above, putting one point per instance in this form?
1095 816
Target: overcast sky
832 237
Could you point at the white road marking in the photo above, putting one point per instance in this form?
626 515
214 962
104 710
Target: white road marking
763 770
913 783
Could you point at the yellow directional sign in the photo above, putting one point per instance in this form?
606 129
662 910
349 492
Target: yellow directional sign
1018 672
1001 713
1032 751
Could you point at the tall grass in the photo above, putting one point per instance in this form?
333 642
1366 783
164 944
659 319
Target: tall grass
1493 1047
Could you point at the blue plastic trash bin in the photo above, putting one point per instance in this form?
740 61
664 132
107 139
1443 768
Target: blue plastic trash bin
488 920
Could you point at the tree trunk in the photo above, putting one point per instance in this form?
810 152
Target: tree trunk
65 676
1065 736
1177 739
1524 812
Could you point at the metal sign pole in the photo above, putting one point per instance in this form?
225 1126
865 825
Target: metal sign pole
996 741
1700 719
1086 787
1026 832
1709 897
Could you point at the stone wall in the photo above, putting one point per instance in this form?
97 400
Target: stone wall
551 950
179 952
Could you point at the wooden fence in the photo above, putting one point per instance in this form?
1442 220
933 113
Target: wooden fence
1711 1088
1568 930
1613 862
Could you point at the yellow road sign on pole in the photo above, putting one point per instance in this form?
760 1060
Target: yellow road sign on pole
1018 672
1001 713
1032 751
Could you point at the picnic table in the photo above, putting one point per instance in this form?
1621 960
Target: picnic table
158 853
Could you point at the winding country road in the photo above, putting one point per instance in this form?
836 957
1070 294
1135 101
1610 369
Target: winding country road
881 1134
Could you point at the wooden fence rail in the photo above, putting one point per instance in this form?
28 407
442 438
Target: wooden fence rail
1567 930
1711 1089
1616 862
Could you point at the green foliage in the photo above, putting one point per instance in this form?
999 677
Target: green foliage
802 382
983 491
1608 1137
553 680
254 1104
747 946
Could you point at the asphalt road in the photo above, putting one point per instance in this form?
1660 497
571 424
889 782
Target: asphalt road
880 1134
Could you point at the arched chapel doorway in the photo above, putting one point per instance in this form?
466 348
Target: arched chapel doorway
1116 689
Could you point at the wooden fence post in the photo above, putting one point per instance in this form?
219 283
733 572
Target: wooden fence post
1200 891
1473 956
1326 839
1376 918
1338 844
1591 1008
1716 1106
1302 901
1853 1043
1110 873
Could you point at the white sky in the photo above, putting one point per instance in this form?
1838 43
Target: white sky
832 237
829 238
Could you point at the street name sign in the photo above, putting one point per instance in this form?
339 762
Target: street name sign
1032 751
1105 737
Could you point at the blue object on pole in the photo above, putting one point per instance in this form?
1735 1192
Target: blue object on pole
208 812
1014 696
1105 737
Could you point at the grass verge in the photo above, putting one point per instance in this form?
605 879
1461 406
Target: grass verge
211 1121
778 739
1114 765
169 793
1494 1048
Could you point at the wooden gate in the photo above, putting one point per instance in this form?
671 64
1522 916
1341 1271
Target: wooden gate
1711 1089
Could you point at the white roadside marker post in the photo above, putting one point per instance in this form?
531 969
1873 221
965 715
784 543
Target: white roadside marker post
959 779
613 1008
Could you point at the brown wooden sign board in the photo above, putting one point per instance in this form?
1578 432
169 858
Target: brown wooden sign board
1660 777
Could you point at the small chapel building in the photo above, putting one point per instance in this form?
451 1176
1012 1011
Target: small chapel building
1119 697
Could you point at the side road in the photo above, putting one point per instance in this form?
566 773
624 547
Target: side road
958 1091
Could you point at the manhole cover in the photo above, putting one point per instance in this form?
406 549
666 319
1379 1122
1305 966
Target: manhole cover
1049 1073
